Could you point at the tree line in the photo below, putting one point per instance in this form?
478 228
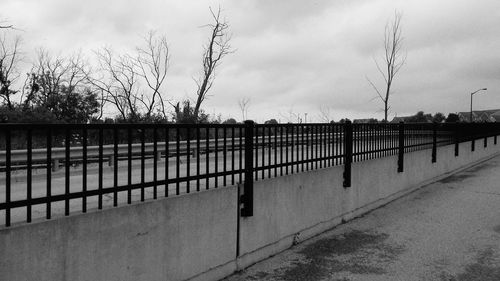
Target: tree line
69 89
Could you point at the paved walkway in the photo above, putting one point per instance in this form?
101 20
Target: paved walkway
448 230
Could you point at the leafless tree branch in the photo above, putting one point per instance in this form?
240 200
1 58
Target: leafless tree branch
324 114
153 62
393 60
117 82
9 73
244 103
217 48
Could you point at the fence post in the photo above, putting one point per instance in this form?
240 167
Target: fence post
247 197
486 140
8 166
347 153
471 133
401 146
434 141
457 140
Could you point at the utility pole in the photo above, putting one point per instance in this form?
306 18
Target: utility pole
483 89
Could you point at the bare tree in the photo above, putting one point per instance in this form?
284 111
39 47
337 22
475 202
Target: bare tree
9 60
393 60
117 82
125 80
244 103
217 48
58 85
153 62
324 114
291 116
53 73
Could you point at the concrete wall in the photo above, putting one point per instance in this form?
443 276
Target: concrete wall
170 239
193 237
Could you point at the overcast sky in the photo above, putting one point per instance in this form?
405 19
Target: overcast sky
292 55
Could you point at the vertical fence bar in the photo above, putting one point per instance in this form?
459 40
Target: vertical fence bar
387 139
337 139
207 159
315 140
373 141
177 160
434 141
247 210
486 141
155 162
198 137
472 132
383 139
29 174
401 146
270 148
320 136
49 173
362 141
115 166
129 164
99 195
308 148
7 175
456 138
232 155
188 157
263 150
240 158
348 139
302 127
286 150
380 140
143 155
256 146
167 154
84 169
276 150
329 143
67 159
325 145
357 142
216 155
291 149
281 150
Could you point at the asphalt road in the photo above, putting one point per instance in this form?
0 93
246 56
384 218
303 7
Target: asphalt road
447 231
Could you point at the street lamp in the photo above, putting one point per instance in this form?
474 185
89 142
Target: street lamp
483 89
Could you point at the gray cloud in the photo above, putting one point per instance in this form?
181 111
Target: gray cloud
293 55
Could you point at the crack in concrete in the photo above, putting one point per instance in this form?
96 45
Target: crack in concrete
484 192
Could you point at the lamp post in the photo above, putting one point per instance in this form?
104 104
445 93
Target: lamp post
483 89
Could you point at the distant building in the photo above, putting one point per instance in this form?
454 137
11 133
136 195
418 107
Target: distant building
400 119
365 120
492 115
411 119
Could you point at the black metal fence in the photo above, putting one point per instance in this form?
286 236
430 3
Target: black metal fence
58 169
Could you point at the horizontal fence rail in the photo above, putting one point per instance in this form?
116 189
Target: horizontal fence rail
57 169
